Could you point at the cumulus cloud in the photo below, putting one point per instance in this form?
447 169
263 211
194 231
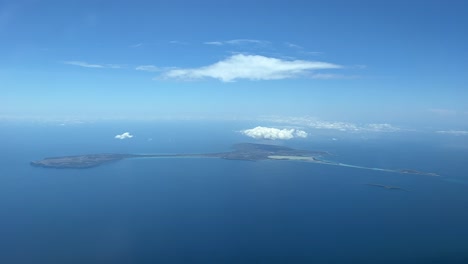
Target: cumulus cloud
273 133
301 133
124 136
251 67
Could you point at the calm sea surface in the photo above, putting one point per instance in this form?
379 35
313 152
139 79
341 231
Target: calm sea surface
220 211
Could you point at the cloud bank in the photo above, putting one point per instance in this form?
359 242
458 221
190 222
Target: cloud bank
124 136
341 126
251 67
273 133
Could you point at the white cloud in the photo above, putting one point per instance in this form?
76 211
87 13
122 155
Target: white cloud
246 41
380 128
301 133
136 45
273 133
177 42
251 67
124 136
83 64
237 42
341 126
90 65
216 43
454 132
114 66
292 45
148 68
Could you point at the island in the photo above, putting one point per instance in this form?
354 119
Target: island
408 171
388 187
241 151
80 161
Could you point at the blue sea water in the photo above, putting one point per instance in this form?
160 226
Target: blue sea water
196 210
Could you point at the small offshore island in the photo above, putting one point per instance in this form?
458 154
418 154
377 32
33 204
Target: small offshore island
388 187
242 151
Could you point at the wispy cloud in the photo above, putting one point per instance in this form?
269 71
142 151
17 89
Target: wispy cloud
340 126
380 128
273 133
292 45
329 76
251 67
137 45
83 64
443 112
93 65
177 42
123 136
238 42
454 132
216 43
246 41
301 49
114 66
148 68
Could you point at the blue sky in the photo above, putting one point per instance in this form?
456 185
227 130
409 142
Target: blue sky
387 62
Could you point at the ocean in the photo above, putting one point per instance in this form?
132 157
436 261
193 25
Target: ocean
195 210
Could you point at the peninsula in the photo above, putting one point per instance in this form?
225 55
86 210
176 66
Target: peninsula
242 151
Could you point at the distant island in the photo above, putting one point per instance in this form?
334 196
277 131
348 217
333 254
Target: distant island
417 172
388 187
242 151
80 161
